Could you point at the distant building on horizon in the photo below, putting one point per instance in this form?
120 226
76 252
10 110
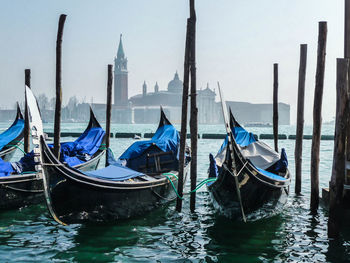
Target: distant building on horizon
144 107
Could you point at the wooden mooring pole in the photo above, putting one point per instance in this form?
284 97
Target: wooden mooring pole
347 55
298 152
57 127
109 106
336 185
194 110
183 120
317 118
275 105
26 148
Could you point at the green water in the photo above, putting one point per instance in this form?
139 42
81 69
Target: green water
30 235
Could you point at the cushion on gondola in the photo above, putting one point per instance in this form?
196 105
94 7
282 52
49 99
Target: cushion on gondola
11 133
166 139
5 168
114 172
271 175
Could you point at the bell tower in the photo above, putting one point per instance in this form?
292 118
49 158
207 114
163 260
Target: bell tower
120 77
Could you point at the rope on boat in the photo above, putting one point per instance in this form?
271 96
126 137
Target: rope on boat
192 191
172 184
241 169
20 142
16 146
103 147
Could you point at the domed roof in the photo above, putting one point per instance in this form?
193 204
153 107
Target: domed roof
176 84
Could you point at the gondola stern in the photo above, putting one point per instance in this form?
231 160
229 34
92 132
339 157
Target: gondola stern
19 112
93 122
233 122
163 119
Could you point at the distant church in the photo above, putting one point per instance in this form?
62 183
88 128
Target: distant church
120 77
144 107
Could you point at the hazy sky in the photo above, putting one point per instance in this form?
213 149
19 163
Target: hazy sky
237 43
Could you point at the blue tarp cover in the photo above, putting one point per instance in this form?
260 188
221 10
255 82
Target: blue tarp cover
242 137
11 133
5 168
114 172
73 153
166 139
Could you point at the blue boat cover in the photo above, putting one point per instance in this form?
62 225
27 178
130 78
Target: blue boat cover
242 137
11 133
5 168
166 139
73 153
115 171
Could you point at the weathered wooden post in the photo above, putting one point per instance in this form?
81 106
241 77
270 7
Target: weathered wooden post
298 152
57 127
109 106
275 105
26 114
336 185
183 120
347 55
317 118
194 110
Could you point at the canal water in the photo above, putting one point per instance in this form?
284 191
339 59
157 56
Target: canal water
30 235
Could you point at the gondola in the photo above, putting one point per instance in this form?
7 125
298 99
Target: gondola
11 139
252 180
21 185
141 180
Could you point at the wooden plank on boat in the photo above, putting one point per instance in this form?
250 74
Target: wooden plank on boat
147 178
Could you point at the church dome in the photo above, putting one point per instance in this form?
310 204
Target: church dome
176 84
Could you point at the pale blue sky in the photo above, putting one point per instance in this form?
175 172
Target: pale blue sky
237 43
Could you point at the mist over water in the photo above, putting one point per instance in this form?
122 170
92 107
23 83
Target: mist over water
29 234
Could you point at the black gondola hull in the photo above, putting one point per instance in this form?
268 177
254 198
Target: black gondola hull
77 198
75 202
21 190
259 200
261 194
